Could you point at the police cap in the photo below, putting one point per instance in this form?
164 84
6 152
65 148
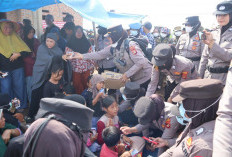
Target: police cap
192 20
161 54
224 8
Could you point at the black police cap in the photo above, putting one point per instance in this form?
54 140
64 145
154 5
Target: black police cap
192 20
224 8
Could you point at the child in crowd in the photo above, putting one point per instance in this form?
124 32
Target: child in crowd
7 131
112 146
110 118
53 86
93 95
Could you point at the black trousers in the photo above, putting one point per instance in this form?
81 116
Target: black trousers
36 96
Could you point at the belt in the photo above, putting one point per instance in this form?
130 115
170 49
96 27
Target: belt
194 58
218 70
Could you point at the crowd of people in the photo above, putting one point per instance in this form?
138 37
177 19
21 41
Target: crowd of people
175 99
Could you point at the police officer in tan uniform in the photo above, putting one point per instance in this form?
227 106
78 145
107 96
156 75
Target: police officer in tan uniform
218 53
197 104
222 144
154 113
190 45
102 42
132 63
176 68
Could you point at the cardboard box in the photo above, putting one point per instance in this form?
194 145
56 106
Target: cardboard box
113 80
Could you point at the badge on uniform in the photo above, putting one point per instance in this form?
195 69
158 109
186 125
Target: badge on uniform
167 123
156 68
197 38
194 47
176 73
200 131
184 75
133 50
189 142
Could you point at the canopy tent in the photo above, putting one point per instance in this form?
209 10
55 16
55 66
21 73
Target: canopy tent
91 10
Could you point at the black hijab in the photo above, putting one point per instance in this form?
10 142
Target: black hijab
81 45
224 28
199 104
29 42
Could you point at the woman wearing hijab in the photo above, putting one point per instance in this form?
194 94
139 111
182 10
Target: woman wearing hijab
29 61
41 71
218 53
12 52
197 104
81 68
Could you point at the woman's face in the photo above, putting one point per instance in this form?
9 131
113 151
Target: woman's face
7 29
223 20
68 31
100 85
50 43
31 34
79 33
2 122
109 40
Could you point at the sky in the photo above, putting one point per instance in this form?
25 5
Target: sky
167 13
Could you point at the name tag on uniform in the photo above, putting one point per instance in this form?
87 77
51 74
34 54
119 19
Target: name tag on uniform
200 131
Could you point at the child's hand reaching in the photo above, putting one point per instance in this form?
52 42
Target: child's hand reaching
93 138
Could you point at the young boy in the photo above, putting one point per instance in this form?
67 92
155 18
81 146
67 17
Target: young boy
53 86
112 147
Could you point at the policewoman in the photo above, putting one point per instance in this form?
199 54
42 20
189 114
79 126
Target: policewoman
218 53
130 61
223 133
154 114
190 45
198 103
175 67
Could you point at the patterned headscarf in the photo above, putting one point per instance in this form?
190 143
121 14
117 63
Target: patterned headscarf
94 81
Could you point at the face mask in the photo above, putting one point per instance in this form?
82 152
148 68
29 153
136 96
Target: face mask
133 32
182 116
163 35
178 33
156 34
188 29
124 97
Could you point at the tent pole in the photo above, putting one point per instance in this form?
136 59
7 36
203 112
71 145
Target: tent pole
95 36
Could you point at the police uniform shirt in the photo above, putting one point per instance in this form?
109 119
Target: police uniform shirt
167 123
223 132
182 70
107 62
219 56
190 48
140 72
192 143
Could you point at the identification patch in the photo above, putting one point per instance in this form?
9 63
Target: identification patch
197 38
133 50
194 47
200 131
184 75
167 123
176 73
189 142
156 68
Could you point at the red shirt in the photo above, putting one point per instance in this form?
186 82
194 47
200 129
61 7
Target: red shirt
106 152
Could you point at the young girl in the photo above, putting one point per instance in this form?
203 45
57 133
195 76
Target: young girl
92 96
110 118
54 86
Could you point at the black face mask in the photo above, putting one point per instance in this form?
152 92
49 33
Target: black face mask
167 65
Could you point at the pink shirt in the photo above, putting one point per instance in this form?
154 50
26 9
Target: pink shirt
106 152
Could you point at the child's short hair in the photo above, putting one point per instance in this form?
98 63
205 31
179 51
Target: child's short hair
111 136
107 101
57 64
